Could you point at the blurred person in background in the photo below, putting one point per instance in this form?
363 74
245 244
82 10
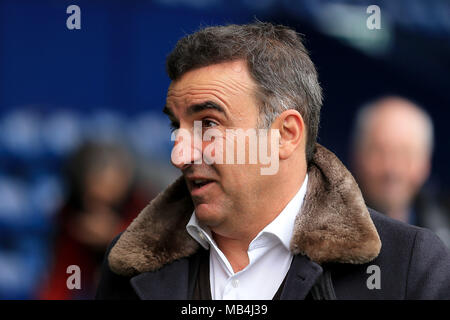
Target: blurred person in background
391 154
102 200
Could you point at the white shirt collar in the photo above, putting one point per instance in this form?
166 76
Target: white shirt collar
281 227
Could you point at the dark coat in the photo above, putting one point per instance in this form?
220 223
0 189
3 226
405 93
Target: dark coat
340 249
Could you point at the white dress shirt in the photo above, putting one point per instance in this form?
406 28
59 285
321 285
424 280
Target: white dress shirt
269 255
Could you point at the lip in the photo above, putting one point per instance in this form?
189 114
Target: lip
202 190
196 191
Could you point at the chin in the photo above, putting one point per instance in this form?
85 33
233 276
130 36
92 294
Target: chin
207 214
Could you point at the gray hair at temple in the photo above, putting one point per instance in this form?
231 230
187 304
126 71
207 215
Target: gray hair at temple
366 112
277 61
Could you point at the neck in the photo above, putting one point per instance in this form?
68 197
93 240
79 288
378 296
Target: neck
235 250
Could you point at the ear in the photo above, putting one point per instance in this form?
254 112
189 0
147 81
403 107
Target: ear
425 170
292 132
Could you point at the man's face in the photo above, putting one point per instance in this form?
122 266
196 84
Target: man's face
221 96
393 160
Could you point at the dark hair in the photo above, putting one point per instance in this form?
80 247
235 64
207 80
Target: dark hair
277 60
90 157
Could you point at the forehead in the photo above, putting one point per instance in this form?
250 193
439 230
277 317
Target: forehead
398 124
222 82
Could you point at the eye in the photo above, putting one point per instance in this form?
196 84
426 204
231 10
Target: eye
209 123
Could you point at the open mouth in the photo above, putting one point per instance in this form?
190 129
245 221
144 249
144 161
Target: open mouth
199 183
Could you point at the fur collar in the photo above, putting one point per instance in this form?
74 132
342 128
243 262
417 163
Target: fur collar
335 225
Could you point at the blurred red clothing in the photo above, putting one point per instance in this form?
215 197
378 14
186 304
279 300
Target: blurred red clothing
70 251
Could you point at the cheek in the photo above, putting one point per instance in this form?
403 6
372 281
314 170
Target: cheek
367 168
235 178
375 165
418 172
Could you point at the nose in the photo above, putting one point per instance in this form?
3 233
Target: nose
187 149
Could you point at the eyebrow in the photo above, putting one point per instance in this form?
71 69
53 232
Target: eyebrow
208 105
198 107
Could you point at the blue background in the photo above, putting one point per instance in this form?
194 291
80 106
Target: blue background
59 87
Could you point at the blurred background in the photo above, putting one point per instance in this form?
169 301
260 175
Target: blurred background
84 145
